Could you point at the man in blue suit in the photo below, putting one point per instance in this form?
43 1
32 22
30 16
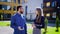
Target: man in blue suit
18 22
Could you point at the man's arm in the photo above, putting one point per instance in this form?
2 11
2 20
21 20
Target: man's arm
43 22
13 24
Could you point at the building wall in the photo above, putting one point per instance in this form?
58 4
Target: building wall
31 6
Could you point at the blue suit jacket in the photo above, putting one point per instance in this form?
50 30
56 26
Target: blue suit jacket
16 21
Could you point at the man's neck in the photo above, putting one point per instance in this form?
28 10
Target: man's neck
18 12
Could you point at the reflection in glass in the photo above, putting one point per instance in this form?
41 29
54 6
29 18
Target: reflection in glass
7 15
54 15
0 16
14 1
5 7
8 0
18 1
48 4
5 0
48 14
14 8
0 6
53 4
23 1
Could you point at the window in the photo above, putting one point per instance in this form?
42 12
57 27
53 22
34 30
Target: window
48 4
14 1
5 0
48 14
41 5
8 7
14 8
0 6
23 1
5 7
53 4
8 0
18 1
54 15
1 16
6 16
26 10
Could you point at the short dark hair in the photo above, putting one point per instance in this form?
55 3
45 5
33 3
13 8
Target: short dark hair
18 7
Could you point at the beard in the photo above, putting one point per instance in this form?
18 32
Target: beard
21 12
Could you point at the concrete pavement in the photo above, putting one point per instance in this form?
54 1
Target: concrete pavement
9 30
6 30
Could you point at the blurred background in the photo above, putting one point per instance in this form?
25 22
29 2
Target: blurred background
50 10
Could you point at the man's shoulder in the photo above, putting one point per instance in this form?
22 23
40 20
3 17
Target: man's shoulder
14 15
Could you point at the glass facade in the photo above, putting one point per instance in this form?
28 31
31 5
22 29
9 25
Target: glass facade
0 16
5 16
14 8
48 14
14 1
0 6
23 1
5 0
53 4
10 1
5 7
48 4
50 9
18 1
54 15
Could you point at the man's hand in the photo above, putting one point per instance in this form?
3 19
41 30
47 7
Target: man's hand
20 28
33 25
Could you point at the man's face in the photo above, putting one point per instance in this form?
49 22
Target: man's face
21 10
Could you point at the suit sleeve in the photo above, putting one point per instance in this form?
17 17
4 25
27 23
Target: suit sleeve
25 29
13 24
43 22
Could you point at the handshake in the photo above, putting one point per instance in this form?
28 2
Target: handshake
20 28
